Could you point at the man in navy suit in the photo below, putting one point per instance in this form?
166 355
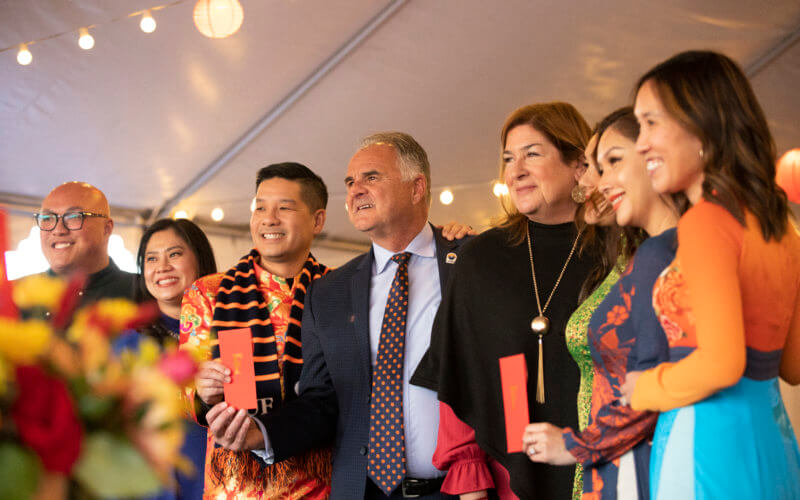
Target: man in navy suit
388 198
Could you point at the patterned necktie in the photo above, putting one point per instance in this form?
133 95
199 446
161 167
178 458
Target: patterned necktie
387 458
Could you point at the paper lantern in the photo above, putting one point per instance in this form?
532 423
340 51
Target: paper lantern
218 18
788 174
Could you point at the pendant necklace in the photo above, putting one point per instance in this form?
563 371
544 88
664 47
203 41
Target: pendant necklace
541 324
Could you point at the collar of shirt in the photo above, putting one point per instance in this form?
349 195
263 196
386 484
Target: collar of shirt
269 282
423 245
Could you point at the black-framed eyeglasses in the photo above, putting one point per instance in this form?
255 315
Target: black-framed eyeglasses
72 220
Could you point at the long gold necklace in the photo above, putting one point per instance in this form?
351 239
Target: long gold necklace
541 324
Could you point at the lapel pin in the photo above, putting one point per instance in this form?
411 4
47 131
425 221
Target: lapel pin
450 258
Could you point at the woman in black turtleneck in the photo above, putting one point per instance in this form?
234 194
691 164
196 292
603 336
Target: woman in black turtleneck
487 310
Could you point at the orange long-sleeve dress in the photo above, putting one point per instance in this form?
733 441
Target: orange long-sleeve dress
730 306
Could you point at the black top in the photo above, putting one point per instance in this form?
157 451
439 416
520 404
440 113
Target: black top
485 314
109 282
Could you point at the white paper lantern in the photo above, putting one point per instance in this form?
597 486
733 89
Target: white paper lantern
218 18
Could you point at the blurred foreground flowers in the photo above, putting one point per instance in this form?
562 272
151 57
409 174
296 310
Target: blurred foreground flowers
112 426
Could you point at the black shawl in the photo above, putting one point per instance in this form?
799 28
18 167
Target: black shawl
485 314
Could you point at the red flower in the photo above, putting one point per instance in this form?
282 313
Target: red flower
69 301
46 420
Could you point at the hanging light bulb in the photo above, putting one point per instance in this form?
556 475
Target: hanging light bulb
180 214
253 205
446 197
500 189
217 214
24 56
218 18
85 40
147 24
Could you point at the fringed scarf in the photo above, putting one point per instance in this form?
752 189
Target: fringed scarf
240 304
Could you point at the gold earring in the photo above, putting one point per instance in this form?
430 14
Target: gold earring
701 153
578 195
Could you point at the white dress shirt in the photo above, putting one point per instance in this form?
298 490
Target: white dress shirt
420 406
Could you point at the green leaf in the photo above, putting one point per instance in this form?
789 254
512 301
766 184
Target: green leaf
95 408
19 472
140 411
110 467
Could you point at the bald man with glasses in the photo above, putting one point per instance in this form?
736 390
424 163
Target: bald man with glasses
74 227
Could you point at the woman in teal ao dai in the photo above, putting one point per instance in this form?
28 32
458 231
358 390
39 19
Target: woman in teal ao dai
730 301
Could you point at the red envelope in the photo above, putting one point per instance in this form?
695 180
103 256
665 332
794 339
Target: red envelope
236 353
514 380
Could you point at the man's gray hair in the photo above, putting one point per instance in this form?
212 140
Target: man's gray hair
413 159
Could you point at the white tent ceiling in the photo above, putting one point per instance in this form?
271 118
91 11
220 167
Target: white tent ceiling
174 118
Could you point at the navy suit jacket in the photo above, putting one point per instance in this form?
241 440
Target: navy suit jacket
336 382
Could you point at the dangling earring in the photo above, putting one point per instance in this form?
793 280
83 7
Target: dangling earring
578 195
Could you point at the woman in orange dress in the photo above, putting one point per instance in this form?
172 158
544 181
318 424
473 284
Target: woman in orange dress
729 301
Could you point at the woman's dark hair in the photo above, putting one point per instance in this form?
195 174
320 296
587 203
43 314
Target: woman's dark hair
197 242
612 245
709 95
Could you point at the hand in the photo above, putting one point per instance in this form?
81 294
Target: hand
542 442
233 429
628 386
209 380
455 231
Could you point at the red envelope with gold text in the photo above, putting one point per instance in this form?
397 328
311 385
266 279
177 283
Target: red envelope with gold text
236 353
514 380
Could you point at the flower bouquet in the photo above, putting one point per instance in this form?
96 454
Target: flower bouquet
72 414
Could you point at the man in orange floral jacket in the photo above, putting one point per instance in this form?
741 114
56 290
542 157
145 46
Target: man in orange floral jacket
264 291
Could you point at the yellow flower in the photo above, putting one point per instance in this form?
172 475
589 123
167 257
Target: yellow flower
3 379
95 350
199 352
39 290
149 352
119 312
21 342
63 357
113 380
159 434
105 316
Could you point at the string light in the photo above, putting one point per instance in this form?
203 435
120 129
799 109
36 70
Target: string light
147 24
85 40
180 214
500 189
24 56
446 197
217 214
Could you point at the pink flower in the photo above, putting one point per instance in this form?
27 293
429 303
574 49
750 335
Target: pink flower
178 366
